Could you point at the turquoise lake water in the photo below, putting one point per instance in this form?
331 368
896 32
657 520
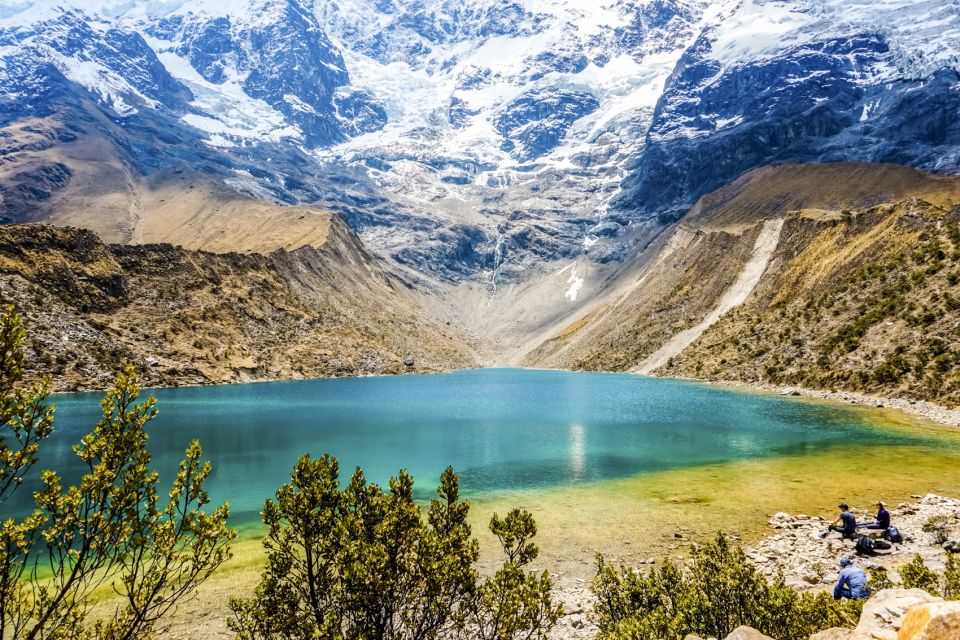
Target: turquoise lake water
501 429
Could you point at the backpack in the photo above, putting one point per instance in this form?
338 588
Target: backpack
882 544
893 535
864 546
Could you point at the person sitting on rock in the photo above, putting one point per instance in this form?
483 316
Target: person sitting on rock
852 583
883 519
845 524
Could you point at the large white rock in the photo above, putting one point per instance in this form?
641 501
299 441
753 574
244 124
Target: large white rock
932 621
883 614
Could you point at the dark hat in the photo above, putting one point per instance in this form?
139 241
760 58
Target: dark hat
844 506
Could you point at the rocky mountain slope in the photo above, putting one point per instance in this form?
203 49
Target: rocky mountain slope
195 317
857 289
491 142
516 162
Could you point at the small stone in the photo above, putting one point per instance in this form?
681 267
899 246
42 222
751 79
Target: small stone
836 633
746 633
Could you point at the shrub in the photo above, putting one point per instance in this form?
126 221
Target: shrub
916 575
113 528
951 578
879 580
513 603
361 562
939 526
719 591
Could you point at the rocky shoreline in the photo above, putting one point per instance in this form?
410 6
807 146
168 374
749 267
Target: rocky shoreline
918 408
808 563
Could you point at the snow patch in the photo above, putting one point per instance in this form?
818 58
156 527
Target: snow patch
226 109
576 283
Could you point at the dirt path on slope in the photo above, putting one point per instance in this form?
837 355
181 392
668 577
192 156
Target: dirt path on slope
746 282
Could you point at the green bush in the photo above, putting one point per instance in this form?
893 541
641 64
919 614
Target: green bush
939 526
513 603
879 580
916 575
115 528
719 591
951 578
361 562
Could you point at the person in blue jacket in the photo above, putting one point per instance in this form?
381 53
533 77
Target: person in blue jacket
852 583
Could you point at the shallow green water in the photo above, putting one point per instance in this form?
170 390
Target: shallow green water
505 431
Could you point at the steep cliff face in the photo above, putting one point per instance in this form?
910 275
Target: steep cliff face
194 317
801 82
859 291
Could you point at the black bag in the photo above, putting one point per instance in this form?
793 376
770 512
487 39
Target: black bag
864 546
893 535
882 544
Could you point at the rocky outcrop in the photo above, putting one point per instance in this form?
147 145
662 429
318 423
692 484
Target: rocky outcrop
535 123
883 614
820 95
931 621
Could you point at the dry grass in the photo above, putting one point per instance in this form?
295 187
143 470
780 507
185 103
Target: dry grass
850 261
189 317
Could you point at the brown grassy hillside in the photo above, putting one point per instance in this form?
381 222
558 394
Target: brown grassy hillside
198 317
871 303
862 292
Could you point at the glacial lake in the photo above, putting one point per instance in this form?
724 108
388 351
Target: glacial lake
605 461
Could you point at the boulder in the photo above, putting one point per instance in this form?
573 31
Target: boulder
746 633
781 520
953 546
836 633
883 614
932 621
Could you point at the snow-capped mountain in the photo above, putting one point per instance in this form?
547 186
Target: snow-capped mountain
479 139
800 82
